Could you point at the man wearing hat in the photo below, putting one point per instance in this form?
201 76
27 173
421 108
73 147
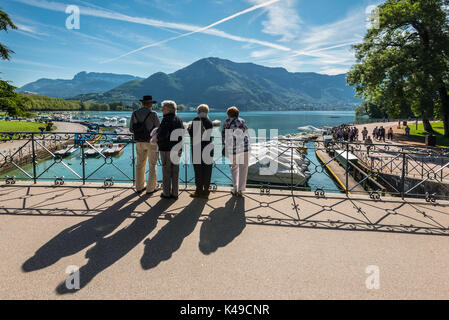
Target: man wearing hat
143 122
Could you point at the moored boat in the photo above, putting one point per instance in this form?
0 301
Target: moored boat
271 162
67 151
113 150
94 151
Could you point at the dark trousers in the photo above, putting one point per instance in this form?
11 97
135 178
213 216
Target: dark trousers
203 173
170 175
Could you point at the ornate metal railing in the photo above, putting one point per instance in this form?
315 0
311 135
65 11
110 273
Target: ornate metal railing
317 165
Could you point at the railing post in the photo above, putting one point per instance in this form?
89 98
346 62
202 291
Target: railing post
133 144
347 168
185 165
403 176
34 158
291 169
83 161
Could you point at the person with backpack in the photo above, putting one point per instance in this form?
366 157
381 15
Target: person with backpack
143 122
200 131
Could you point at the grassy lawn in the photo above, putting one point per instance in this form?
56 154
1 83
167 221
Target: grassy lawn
21 126
439 132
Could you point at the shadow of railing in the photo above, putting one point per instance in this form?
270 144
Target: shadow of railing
297 210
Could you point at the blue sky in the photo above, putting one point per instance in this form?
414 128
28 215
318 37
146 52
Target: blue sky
141 37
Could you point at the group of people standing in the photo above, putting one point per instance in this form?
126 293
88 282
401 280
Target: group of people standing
379 133
351 134
346 133
154 137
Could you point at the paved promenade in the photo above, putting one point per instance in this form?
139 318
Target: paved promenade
261 247
10 147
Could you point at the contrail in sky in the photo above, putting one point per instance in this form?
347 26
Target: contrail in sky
192 29
200 30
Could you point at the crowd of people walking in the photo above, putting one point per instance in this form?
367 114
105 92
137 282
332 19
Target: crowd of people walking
351 134
345 133
164 139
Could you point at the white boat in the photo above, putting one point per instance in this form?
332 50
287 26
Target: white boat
270 162
344 157
93 152
216 123
122 122
67 151
122 131
310 129
113 150
121 138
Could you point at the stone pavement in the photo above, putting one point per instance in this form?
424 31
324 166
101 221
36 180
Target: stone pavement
275 246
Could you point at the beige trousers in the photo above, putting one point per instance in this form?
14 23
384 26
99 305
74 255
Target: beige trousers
146 151
239 171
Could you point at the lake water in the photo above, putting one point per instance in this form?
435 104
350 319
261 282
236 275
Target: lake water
121 169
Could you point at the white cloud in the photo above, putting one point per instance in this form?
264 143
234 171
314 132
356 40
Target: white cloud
209 30
263 53
37 64
326 47
333 70
283 20
192 29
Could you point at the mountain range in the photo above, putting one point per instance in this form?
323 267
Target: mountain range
223 83
81 83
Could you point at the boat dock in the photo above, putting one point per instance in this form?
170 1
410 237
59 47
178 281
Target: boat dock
338 172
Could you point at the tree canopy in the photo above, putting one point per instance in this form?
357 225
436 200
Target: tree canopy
402 64
11 102
5 23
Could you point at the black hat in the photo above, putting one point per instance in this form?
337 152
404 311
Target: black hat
148 99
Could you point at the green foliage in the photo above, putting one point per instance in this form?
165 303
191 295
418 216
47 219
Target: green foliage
422 133
370 109
21 126
10 102
5 23
402 64
43 103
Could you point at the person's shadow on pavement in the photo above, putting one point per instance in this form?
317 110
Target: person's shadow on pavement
109 250
169 238
82 235
223 226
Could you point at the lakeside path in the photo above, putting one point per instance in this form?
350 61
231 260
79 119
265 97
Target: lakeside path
370 127
11 146
140 247
398 134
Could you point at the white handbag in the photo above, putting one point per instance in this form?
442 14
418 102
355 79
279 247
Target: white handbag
154 136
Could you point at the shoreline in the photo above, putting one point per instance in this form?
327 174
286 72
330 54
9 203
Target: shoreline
24 156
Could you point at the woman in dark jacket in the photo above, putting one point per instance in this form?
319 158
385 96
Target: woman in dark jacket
170 148
200 131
